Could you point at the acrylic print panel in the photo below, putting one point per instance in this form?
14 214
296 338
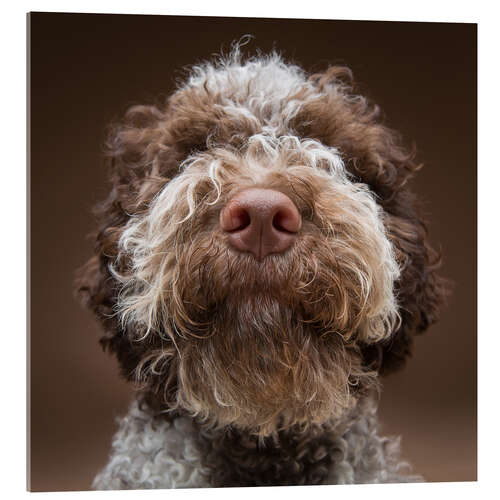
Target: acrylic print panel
87 70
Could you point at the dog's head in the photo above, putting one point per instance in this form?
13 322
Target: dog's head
260 258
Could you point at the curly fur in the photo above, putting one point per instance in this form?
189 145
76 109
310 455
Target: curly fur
258 360
150 451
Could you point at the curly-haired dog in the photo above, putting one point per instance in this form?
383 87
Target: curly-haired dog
260 262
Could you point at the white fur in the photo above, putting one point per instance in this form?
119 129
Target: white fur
148 454
261 90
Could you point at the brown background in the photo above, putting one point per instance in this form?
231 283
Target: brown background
87 69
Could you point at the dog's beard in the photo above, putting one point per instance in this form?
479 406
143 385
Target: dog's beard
252 352
259 345
264 368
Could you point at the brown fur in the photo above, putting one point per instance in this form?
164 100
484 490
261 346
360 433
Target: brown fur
293 457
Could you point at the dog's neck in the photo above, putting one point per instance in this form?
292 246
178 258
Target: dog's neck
290 457
293 456
158 450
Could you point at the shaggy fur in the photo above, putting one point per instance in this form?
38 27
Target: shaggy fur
267 368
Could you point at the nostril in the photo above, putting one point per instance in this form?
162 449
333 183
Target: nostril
234 218
240 219
283 222
287 221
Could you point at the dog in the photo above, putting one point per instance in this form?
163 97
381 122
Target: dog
260 264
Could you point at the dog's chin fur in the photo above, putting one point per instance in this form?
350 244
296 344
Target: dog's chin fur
294 341
268 369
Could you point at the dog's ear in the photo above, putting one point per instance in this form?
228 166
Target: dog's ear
97 290
373 154
139 164
420 290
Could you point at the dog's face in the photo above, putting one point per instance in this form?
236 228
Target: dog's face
260 258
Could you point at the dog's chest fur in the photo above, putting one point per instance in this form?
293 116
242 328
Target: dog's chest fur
151 452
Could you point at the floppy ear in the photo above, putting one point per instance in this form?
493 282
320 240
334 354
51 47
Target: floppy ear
420 291
138 163
373 155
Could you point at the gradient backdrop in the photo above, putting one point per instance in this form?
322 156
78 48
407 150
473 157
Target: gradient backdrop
87 69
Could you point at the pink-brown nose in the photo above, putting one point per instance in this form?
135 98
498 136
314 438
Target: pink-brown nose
260 221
